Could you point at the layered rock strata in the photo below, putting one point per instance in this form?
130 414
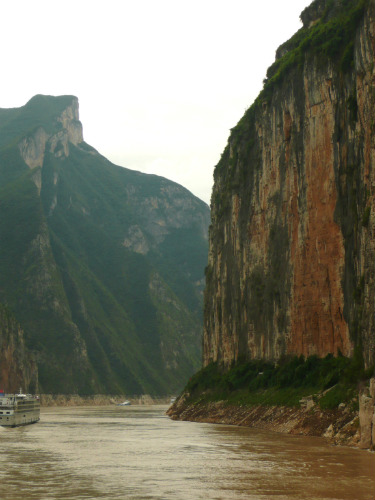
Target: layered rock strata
292 242
344 425
340 426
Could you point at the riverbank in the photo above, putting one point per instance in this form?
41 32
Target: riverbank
341 426
47 400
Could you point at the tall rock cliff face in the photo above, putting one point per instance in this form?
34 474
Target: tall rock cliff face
102 266
292 242
18 366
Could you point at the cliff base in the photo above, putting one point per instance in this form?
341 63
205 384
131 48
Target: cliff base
341 426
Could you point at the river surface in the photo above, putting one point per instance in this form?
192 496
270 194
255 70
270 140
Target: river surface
136 452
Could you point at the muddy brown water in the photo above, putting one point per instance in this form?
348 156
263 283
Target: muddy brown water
139 453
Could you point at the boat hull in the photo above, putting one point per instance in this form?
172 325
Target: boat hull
19 409
18 420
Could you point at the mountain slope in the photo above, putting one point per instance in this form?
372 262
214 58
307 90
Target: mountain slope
102 266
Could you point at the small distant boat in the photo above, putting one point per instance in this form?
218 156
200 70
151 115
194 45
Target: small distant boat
173 400
125 403
18 409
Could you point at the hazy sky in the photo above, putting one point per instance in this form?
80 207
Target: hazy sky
159 82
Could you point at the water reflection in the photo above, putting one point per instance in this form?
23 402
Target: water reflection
138 453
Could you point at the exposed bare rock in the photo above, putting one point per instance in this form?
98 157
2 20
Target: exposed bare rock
339 426
69 119
313 12
292 243
18 366
367 416
136 241
33 147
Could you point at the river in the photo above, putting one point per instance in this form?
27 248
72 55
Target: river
136 452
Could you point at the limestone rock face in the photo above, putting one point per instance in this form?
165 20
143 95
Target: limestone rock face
33 147
18 366
69 120
292 243
367 416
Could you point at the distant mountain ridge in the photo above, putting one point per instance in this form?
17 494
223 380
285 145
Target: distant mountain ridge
102 266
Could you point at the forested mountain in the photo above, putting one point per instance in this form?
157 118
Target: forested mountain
102 266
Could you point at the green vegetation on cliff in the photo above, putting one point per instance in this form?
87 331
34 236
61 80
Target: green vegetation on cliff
329 39
331 380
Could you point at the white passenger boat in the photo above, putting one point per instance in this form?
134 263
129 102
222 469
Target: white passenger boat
125 403
19 409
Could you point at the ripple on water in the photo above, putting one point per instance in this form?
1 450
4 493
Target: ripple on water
138 453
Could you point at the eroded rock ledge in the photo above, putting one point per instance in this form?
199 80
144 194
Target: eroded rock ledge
341 426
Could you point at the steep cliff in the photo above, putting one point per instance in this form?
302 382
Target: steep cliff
102 266
18 367
292 242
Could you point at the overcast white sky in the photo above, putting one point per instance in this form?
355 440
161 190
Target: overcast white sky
160 82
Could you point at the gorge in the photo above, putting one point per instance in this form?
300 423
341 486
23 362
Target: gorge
292 237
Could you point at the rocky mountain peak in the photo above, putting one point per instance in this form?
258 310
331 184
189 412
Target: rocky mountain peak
66 129
313 12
